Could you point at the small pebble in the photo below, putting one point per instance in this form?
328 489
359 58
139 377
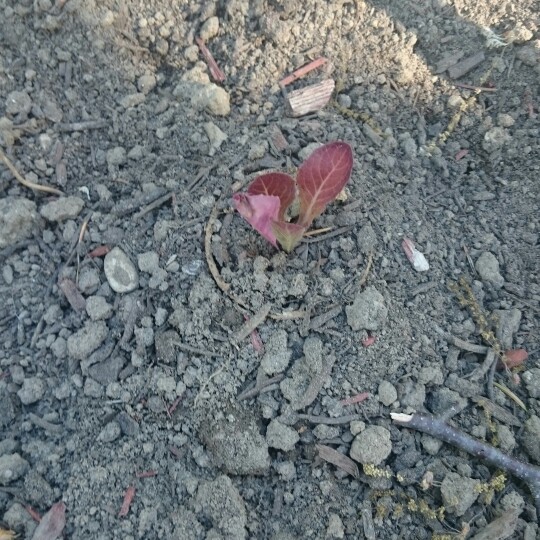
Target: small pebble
33 389
373 445
62 209
12 467
487 267
120 271
281 436
209 29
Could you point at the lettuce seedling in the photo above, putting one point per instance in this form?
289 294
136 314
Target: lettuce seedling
319 180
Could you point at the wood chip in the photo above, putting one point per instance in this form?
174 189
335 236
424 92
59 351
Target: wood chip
500 528
311 98
462 68
252 323
338 459
74 297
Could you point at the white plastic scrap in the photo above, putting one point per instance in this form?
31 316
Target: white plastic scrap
418 261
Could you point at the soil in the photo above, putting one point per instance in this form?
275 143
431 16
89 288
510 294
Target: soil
123 354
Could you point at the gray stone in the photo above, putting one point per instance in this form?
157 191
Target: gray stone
146 83
367 239
412 395
368 311
18 217
531 438
148 262
62 209
387 393
107 371
444 399
487 267
86 340
18 103
209 29
335 527
89 280
33 389
281 437
120 271
98 308
128 101
532 381
372 445
12 467
165 346
128 426
458 493
508 321
37 490
276 357
93 388
110 432
8 408
221 503
235 443
215 136
213 99
507 441
116 156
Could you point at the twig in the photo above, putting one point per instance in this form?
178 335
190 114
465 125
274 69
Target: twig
365 273
252 323
260 388
152 206
301 71
480 371
24 181
216 73
491 378
224 287
460 343
82 126
476 88
530 474
40 422
313 419
323 237
510 394
126 503
194 350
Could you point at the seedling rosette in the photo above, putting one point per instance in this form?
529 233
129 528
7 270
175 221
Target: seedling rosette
319 181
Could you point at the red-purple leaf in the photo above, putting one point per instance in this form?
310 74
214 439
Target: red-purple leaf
260 211
278 184
321 178
52 523
288 234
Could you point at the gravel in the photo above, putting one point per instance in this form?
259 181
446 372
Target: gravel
371 446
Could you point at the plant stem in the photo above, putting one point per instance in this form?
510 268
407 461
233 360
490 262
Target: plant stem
530 474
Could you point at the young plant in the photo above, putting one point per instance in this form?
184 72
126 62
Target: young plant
319 181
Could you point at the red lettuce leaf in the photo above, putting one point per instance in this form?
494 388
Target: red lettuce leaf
321 178
288 234
260 211
277 184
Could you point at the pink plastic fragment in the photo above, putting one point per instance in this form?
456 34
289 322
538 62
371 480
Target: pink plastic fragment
417 259
369 341
355 399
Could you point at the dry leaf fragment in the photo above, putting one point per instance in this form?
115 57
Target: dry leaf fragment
52 523
341 461
311 98
74 297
